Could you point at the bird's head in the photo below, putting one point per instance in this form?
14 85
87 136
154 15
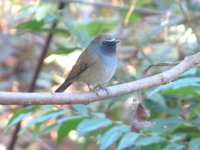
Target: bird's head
105 43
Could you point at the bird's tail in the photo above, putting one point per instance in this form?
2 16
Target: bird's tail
64 85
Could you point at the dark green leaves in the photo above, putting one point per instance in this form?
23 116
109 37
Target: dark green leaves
66 125
144 141
39 26
185 82
194 144
31 25
128 140
81 108
112 135
44 117
174 146
89 125
19 114
82 37
165 124
96 27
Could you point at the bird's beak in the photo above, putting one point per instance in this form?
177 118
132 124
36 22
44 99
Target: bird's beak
113 41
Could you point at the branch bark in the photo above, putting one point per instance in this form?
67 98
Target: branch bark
9 98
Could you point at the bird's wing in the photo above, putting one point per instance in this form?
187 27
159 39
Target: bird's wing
85 61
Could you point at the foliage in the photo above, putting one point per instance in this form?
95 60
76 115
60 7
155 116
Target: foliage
174 107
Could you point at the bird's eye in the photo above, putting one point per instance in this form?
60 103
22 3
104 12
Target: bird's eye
104 42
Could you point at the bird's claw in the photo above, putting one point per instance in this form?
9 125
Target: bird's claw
104 88
100 88
93 90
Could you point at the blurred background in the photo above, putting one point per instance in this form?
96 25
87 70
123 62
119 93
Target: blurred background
41 40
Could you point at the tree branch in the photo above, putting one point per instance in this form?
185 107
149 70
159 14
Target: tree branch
9 98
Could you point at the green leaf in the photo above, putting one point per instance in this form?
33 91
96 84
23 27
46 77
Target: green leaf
16 120
66 125
149 140
55 31
50 19
89 125
194 144
42 11
81 108
18 115
165 124
36 130
185 90
82 37
174 146
192 71
186 128
47 129
128 140
31 25
112 135
98 114
185 82
196 121
37 26
96 27
177 137
43 118
159 99
133 18
26 11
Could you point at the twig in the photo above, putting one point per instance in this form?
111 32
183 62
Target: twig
160 64
9 98
111 6
130 11
35 76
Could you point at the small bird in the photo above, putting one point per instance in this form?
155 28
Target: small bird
96 65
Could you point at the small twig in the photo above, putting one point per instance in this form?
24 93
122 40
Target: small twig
130 11
160 64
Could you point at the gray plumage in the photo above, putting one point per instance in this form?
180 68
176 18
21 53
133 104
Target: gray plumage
96 65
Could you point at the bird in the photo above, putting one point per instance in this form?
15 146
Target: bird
96 65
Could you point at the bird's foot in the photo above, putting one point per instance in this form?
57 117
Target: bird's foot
103 88
93 90
97 89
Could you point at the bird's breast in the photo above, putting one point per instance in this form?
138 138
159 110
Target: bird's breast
101 72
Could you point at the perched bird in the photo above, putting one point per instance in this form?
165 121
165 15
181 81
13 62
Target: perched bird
96 65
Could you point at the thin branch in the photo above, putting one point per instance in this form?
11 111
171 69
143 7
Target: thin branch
130 11
44 52
9 98
37 70
160 64
111 6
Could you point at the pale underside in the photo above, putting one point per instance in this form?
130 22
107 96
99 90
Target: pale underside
100 73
